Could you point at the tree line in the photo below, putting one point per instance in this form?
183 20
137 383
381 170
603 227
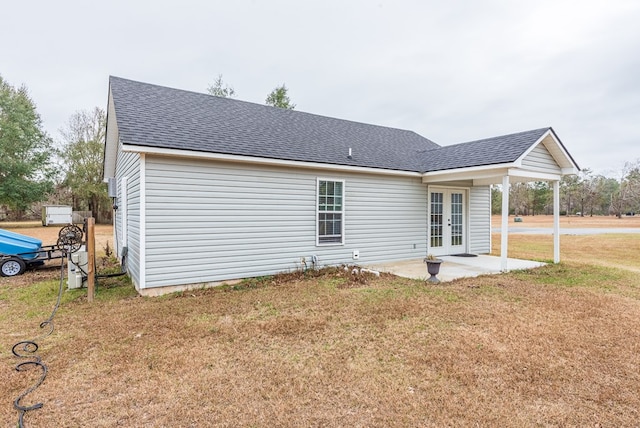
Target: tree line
585 194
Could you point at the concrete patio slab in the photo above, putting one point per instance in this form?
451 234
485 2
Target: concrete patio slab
454 267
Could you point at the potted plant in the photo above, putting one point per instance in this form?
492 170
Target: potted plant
433 267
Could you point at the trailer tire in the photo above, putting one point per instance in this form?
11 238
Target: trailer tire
12 266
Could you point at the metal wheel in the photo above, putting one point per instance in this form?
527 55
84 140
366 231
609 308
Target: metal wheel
70 237
12 266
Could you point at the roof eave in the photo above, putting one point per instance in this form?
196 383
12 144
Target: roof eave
491 174
481 172
256 160
111 140
554 146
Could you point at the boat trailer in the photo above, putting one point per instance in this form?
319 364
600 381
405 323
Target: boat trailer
19 252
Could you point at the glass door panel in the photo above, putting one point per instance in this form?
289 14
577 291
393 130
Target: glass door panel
456 237
437 220
447 219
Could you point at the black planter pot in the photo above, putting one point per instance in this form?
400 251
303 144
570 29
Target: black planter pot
433 267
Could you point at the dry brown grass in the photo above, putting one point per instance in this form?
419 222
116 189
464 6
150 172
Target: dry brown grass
556 346
571 221
611 250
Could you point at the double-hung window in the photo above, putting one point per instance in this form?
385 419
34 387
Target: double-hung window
330 212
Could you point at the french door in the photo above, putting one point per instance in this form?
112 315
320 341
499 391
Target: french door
447 221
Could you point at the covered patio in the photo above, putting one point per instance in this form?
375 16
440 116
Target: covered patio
455 267
519 158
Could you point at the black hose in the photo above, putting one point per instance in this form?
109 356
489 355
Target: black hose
110 275
123 266
28 349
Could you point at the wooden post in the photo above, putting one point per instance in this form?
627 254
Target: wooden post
91 262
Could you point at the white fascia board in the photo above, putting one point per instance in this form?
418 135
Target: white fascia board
559 147
517 175
559 153
472 173
482 176
111 141
518 161
496 179
264 161
569 171
109 164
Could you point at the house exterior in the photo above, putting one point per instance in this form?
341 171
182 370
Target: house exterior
212 189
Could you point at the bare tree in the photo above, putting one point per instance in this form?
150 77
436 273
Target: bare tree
82 155
568 190
628 197
221 89
519 198
586 191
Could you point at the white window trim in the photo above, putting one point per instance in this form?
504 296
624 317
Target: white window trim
343 212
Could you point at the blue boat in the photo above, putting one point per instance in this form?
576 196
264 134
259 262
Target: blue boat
15 244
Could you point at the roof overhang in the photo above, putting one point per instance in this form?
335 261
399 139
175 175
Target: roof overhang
111 141
255 160
516 171
557 150
493 174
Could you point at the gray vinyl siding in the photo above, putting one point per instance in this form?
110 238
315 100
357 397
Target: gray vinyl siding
128 165
480 220
209 221
539 159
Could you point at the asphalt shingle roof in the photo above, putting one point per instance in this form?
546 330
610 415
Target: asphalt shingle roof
161 117
488 151
156 116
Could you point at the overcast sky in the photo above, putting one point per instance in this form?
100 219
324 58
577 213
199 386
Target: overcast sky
451 71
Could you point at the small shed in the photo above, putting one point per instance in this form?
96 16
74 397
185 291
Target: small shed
56 215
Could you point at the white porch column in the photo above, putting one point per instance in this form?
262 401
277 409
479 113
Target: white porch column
504 234
556 221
